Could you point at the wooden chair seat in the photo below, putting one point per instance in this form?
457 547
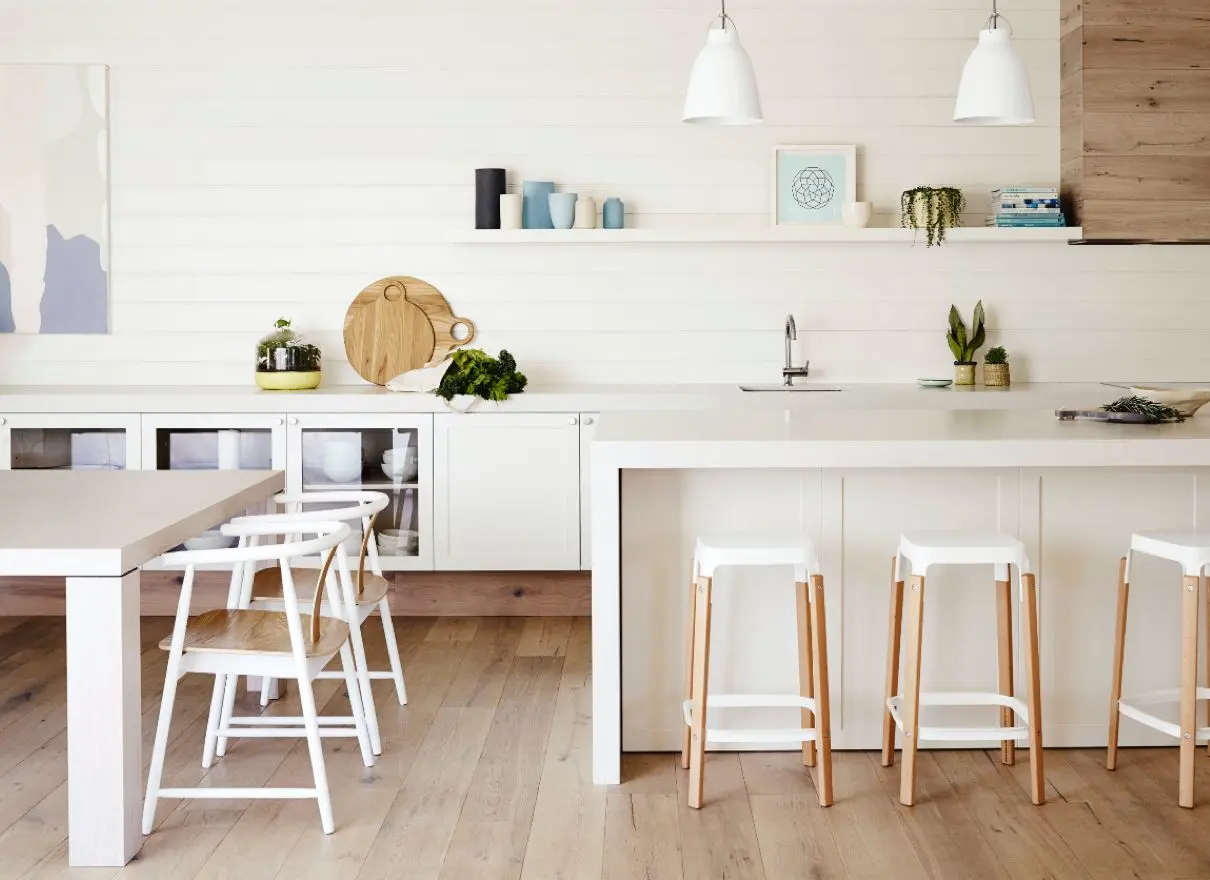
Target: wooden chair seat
266 584
228 631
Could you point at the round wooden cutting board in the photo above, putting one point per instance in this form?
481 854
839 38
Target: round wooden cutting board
398 324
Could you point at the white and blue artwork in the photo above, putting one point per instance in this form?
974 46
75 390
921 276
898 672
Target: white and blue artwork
812 184
54 199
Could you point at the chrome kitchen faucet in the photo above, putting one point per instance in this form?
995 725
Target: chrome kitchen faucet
789 371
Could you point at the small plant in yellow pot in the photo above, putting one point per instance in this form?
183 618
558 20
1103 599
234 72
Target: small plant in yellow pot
285 361
995 368
965 345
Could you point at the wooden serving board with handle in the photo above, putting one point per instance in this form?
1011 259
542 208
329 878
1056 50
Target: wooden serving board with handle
398 324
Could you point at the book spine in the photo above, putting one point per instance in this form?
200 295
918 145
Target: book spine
1026 189
1028 212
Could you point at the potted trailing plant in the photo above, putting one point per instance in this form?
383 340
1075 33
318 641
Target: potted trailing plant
995 367
933 209
285 361
965 344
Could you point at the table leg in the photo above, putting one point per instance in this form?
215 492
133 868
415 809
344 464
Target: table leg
104 733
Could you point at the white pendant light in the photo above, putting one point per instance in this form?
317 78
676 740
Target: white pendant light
722 86
995 86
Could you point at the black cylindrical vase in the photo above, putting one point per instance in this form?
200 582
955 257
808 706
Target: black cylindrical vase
489 186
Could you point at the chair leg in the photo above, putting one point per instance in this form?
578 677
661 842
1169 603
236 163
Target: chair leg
1189 608
388 635
315 746
228 707
363 676
1004 633
892 664
266 686
1119 656
806 679
356 706
911 693
701 669
1037 777
212 721
823 708
155 773
690 635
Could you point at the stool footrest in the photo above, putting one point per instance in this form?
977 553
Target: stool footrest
754 701
957 734
1129 706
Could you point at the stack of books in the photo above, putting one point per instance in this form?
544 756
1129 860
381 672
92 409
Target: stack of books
1031 206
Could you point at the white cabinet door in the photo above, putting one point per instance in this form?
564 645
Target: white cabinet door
588 426
383 453
506 491
87 441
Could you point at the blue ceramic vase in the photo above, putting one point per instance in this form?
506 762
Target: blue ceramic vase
535 208
563 210
613 214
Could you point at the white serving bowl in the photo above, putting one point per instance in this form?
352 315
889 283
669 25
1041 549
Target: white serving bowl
398 542
403 471
342 464
212 539
1187 400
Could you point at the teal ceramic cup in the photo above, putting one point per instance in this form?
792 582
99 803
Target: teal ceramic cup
562 210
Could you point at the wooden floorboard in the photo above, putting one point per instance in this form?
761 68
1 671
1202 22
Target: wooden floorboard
487 773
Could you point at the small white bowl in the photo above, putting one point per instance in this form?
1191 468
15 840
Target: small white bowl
212 539
403 471
398 542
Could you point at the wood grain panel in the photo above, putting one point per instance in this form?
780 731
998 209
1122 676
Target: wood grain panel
1147 134
1146 13
1175 47
457 594
1130 91
1154 220
1146 178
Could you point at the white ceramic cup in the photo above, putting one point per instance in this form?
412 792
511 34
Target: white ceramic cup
510 210
586 213
856 214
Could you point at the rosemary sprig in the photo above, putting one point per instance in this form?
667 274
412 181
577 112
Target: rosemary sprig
1155 412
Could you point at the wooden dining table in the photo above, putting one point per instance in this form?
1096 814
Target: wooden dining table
96 529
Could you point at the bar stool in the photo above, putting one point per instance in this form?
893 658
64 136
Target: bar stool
1192 550
812 699
922 550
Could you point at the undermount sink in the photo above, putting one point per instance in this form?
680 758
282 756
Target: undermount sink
780 387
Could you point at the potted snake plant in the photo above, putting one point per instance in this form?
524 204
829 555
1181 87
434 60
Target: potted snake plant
965 345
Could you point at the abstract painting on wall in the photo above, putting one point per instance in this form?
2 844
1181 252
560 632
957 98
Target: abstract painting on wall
54 199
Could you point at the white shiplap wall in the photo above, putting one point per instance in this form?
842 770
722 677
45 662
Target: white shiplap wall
272 158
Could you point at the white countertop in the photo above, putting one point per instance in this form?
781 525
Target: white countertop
539 398
786 438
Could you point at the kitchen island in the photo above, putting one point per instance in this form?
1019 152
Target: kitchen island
852 481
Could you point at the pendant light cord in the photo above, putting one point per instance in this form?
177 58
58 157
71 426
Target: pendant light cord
723 16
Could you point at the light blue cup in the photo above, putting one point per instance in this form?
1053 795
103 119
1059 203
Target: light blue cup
613 214
562 209
535 204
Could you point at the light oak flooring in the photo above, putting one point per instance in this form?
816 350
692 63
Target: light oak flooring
486 774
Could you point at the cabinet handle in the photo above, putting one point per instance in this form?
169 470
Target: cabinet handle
588 420
281 421
292 420
573 420
3 422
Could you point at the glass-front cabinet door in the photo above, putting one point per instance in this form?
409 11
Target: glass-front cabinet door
385 453
54 441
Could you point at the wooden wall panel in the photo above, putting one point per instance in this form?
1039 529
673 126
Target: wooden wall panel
1146 178
1127 91
1147 13
1145 49
424 594
1147 134
1152 220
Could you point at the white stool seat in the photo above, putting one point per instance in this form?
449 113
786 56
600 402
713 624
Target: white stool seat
1191 549
924 549
715 551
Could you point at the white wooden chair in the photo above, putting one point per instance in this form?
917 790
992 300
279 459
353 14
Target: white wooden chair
367 594
234 641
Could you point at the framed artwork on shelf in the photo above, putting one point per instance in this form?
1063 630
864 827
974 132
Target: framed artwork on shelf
812 183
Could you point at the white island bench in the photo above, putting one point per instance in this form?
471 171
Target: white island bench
851 482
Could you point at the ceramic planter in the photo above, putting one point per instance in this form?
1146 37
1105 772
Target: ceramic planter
964 374
995 375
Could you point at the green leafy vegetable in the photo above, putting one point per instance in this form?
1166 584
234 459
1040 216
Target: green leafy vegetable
474 371
1155 412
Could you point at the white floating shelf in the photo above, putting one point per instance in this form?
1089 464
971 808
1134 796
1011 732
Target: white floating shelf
771 235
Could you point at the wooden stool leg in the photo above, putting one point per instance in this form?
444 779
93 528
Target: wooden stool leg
701 669
1119 656
1189 608
1037 778
823 709
806 682
892 664
687 738
1004 632
911 692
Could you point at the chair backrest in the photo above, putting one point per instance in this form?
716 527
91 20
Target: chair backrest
328 536
363 508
